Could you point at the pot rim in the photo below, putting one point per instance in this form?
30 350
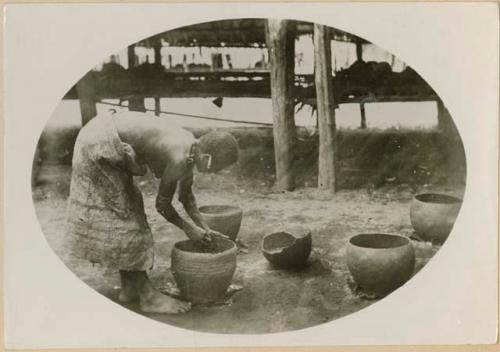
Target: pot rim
233 248
451 200
296 238
404 238
223 207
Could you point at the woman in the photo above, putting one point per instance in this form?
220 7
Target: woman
106 219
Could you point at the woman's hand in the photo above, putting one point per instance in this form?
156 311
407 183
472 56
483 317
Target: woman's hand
210 234
201 235
196 234
131 161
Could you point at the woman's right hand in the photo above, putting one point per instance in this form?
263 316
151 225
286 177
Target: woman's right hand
197 234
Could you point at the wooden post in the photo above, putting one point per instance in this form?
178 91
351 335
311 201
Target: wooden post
363 114
213 58
170 65
134 104
359 50
157 106
440 114
157 49
445 122
229 61
85 89
326 108
184 63
281 45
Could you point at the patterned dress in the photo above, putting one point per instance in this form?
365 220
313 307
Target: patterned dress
106 219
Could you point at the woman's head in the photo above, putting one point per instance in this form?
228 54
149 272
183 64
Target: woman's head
216 151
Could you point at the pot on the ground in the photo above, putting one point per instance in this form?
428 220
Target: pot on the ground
380 263
204 277
433 215
285 250
225 219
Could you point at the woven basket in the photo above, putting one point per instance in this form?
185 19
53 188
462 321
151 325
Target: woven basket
204 277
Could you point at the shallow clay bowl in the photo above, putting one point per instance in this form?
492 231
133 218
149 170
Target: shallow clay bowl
225 219
380 263
203 274
433 215
284 250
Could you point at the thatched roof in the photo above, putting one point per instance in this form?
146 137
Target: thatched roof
231 33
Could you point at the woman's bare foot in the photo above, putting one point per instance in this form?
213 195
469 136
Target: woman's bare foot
150 299
128 292
127 295
159 303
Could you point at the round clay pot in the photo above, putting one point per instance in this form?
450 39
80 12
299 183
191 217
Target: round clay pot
225 219
380 263
285 250
204 277
433 215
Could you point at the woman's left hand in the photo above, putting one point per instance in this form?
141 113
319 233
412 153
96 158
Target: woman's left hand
210 234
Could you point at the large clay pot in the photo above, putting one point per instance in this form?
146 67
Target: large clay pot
203 277
225 219
285 250
380 263
433 215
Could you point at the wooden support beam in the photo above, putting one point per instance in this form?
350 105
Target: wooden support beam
441 114
131 56
280 35
157 106
157 50
445 121
184 63
256 84
85 89
216 61
134 104
359 50
326 108
363 115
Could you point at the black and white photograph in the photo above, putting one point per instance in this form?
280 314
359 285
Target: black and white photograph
250 175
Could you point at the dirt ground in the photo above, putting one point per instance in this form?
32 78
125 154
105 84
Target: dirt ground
268 300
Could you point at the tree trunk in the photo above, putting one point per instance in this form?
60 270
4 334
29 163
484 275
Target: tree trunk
326 109
85 89
281 46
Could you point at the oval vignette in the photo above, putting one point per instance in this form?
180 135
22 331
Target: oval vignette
394 139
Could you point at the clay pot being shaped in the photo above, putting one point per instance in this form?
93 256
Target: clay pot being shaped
203 273
380 263
285 250
225 219
433 215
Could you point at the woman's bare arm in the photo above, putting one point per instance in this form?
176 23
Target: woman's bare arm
166 192
188 200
